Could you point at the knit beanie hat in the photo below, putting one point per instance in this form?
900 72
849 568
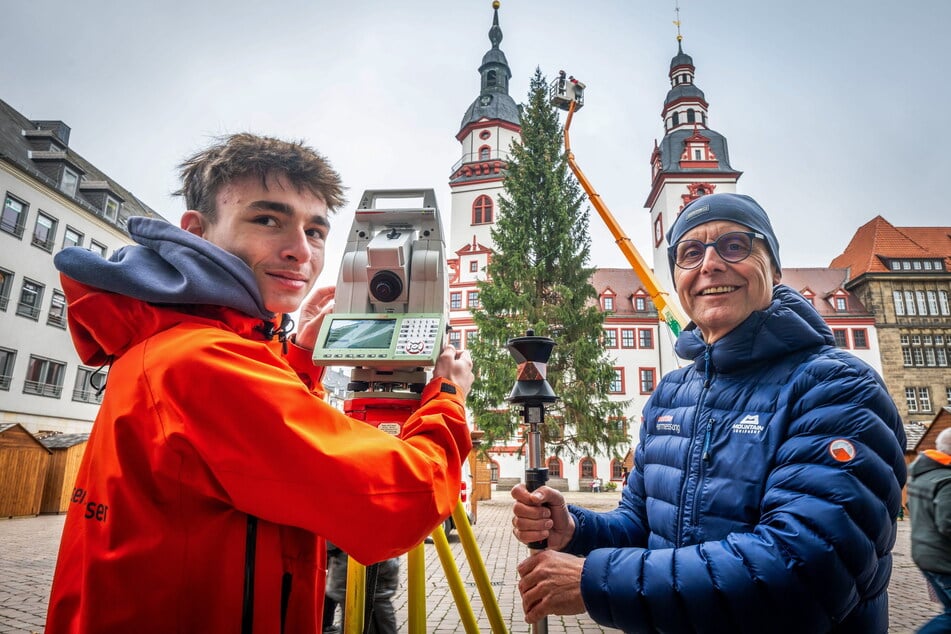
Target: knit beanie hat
736 208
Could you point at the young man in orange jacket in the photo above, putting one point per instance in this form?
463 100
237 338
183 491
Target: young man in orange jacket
212 475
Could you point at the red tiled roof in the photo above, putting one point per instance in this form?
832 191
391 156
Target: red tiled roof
878 239
824 283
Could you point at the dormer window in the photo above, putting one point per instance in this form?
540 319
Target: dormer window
840 304
69 182
111 209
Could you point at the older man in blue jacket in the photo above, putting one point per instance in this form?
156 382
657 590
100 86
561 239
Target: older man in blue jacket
767 478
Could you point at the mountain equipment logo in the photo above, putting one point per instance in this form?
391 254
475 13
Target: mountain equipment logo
749 425
665 423
842 450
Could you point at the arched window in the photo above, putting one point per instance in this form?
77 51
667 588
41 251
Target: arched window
554 467
587 468
494 472
676 118
485 153
482 210
691 115
490 78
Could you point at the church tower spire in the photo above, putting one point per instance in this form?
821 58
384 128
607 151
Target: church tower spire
690 161
489 127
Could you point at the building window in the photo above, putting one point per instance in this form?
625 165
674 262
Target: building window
485 153
930 359
942 355
587 468
494 472
647 380
472 299
840 304
860 339
98 248
7 357
911 399
617 383
44 377
640 304
920 300
627 338
918 356
6 285
932 302
482 210
645 337
112 209
610 338
86 379
910 302
68 184
924 399
947 394
72 238
474 266
607 302
13 219
455 300
906 356
841 338
903 339
899 302
455 339
57 314
31 298
470 338
44 231
554 467
943 301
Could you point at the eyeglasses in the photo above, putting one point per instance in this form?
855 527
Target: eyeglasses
732 247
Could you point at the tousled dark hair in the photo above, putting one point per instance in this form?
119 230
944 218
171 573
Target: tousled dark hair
244 154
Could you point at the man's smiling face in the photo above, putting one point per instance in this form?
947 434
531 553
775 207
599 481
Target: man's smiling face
719 295
277 230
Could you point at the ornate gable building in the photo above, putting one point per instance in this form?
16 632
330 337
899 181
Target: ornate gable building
903 276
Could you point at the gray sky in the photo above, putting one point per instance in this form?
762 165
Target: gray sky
830 107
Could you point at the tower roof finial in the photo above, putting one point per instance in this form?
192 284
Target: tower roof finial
495 33
677 23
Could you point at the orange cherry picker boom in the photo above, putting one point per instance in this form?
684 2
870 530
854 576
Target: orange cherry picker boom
567 93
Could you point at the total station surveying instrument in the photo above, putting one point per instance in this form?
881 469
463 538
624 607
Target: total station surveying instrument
388 325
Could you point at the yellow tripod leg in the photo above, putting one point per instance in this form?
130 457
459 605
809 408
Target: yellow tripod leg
356 596
416 581
466 615
477 566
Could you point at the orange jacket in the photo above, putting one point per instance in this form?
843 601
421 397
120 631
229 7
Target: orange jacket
214 462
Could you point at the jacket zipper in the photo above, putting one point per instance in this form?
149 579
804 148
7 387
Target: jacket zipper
693 444
250 546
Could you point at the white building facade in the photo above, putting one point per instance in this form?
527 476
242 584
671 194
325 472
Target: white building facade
52 198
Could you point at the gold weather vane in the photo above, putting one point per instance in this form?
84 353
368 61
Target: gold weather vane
677 21
495 4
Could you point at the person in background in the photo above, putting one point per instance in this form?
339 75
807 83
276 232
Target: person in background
767 478
211 478
929 504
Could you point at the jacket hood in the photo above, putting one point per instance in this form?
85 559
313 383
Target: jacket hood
113 304
168 266
789 324
929 461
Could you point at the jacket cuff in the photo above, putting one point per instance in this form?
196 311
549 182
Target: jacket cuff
443 389
301 359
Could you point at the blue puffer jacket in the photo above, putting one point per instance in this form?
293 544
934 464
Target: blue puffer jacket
766 486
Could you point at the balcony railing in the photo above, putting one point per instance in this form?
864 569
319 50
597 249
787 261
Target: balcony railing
42 389
5 380
477 157
87 396
31 312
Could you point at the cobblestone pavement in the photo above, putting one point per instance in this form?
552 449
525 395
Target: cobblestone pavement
28 552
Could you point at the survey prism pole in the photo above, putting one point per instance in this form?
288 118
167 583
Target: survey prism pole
532 392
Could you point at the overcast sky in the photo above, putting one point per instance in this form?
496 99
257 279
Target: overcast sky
834 110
